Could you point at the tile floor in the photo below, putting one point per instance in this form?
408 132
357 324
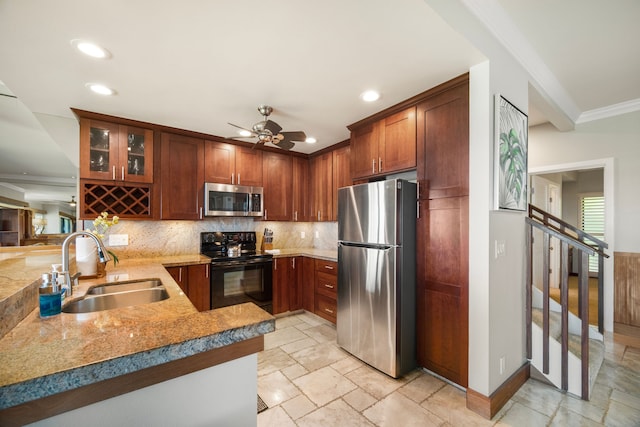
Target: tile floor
307 380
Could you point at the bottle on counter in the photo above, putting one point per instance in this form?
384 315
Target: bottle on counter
50 295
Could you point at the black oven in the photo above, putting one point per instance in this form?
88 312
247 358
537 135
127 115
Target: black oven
238 281
239 273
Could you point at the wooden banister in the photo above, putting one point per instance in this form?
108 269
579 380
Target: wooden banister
585 245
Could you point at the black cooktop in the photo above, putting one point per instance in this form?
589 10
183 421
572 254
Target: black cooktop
214 245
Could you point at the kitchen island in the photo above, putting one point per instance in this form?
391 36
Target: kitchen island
161 363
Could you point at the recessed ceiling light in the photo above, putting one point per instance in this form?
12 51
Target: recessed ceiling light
310 140
100 89
370 96
244 133
91 49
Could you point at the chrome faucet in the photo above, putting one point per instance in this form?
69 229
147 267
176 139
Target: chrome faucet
103 255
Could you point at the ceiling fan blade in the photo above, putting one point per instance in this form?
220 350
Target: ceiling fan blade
245 129
283 144
273 127
294 136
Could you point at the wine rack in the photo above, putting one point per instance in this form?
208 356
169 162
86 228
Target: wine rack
125 201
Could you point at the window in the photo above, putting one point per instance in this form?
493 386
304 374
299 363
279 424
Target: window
592 221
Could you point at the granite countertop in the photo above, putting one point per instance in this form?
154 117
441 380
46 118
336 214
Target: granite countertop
326 254
43 357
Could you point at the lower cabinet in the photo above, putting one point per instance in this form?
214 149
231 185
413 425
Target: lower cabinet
326 288
287 284
195 283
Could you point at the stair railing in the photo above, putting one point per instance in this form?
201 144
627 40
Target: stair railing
585 245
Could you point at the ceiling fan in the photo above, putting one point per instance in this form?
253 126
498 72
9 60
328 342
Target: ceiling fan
269 131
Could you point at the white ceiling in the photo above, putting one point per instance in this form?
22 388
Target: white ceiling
200 64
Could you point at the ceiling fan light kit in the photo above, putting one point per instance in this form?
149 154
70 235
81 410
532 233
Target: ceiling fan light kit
269 131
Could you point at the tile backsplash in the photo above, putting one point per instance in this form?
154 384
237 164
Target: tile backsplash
155 238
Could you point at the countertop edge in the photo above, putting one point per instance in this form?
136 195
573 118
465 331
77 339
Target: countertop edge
16 394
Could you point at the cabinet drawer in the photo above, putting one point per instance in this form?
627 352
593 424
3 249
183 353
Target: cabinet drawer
329 267
326 307
326 284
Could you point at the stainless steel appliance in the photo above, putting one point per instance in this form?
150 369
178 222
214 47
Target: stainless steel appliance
239 273
232 200
377 274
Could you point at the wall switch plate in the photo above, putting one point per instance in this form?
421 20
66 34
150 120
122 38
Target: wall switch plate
317 234
503 364
118 240
500 248
302 234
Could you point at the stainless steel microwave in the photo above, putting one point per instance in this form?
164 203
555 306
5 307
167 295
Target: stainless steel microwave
232 200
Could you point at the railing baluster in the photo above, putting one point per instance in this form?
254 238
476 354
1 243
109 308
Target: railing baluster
583 304
564 301
545 303
529 290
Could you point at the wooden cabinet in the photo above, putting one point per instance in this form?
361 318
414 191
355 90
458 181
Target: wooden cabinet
308 283
442 228
385 146
194 282
277 176
287 284
116 169
181 177
11 227
232 164
321 171
341 175
115 152
326 288
301 194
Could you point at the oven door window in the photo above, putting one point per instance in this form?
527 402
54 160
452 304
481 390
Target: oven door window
240 284
223 201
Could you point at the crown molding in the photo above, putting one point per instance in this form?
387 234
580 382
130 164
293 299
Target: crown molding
610 111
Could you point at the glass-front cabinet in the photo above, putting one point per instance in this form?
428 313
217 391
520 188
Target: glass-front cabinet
115 152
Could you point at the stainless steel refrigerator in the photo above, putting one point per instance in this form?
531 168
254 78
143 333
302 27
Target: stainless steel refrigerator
377 274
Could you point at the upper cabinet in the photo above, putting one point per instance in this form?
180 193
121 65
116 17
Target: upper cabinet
301 193
385 146
181 177
277 181
115 152
321 171
232 164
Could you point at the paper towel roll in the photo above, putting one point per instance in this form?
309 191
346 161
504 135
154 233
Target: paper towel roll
86 256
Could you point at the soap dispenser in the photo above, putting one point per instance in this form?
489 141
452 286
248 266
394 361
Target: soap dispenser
50 295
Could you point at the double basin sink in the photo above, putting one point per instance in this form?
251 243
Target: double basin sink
118 294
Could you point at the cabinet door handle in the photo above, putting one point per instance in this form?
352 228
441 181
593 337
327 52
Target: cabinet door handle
238 179
232 176
328 311
180 275
275 263
318 215
201 212
113 172
373 165
293 263
207 270
123 173
418 209
326 285
265 214
379 164
328 267
295 216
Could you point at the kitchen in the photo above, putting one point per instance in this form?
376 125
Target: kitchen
485 379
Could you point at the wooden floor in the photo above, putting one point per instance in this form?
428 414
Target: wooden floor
573 297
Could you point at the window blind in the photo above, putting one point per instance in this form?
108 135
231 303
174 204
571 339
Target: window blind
592 221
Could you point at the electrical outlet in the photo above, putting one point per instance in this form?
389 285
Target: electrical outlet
503 364
302 234
317 234
118 240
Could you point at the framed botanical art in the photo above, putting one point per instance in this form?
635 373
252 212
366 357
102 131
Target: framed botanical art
510 162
